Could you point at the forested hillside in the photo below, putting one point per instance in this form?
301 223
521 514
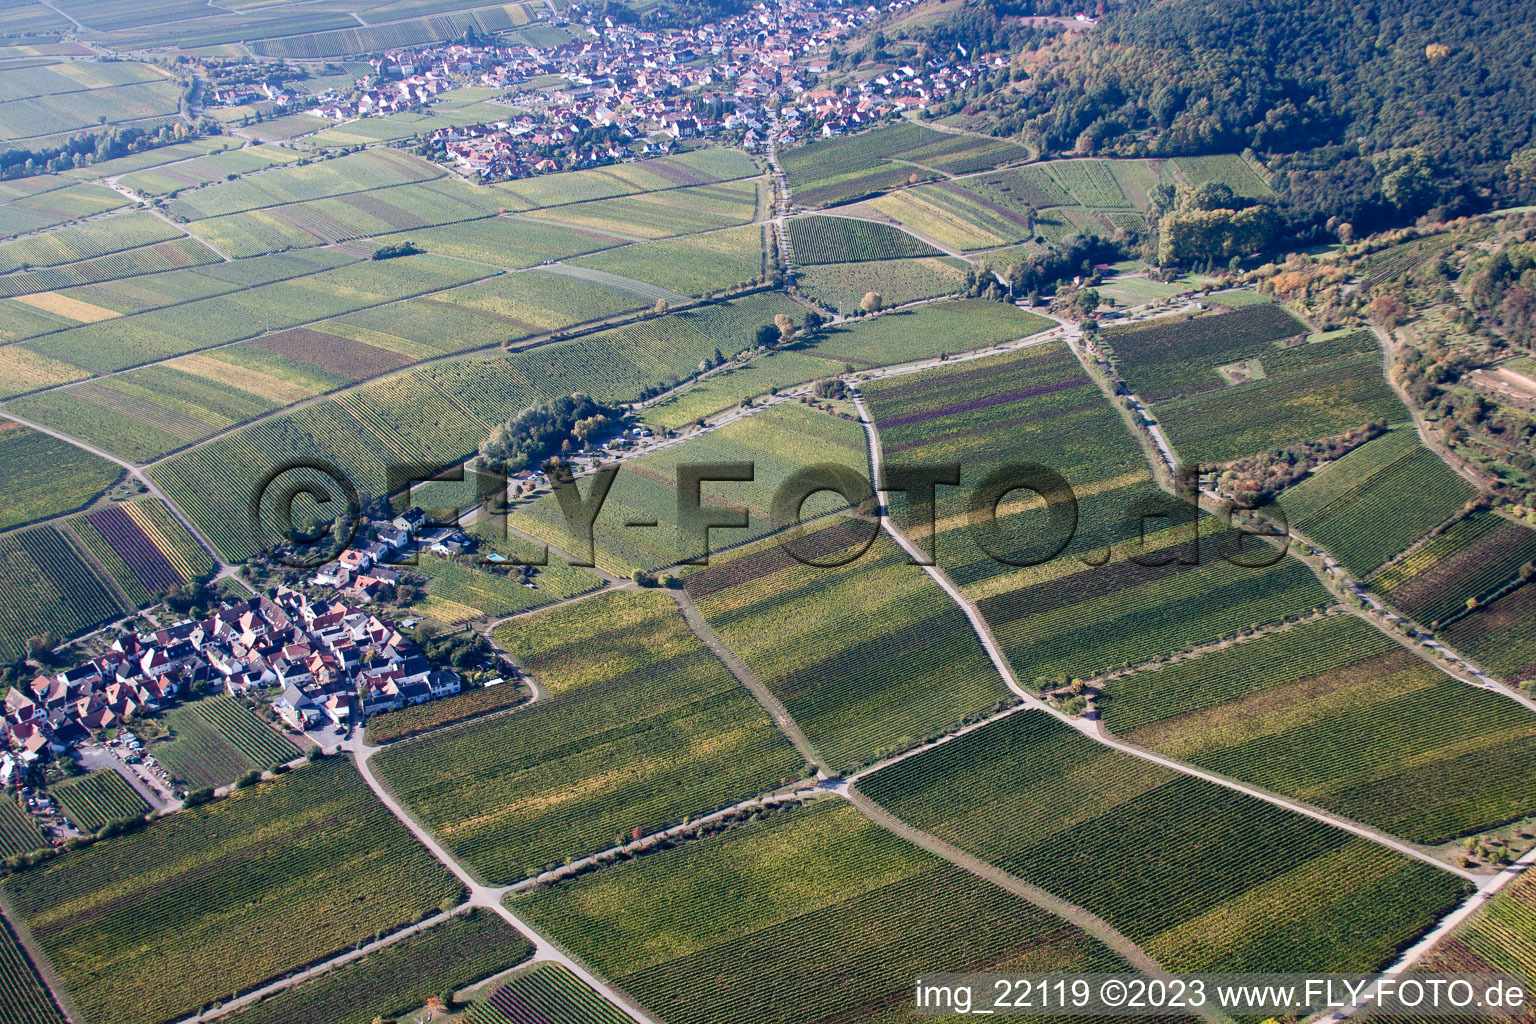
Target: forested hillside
1370 112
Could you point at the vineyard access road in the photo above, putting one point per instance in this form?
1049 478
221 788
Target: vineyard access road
984 632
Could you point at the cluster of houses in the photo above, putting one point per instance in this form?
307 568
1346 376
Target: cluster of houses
402 87
363 570
753 78
241 93
330 659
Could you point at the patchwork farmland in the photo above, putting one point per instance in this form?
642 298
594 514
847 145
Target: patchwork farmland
1336 714
1107 730
95 799
1117 836
140 885
860 903
650 731
216 740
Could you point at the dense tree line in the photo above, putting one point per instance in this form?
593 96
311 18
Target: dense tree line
546 429
1371 112
88 148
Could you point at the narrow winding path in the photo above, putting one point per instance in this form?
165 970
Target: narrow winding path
994 651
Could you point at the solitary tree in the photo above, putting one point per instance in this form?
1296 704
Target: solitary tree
871 302
786 328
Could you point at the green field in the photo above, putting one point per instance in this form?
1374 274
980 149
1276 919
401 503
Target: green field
1089 609
1201 877
95 799
400 978
420 718
1372 503
694 265
827 171
868 657
57 206
150 926
18 831
215 740
662 214
725 389
114 233
506 241
778 441
437 415
841 286
1283 396
168 178
750 925
1179 358
42 476
456 592
548 991
411 206
1230 170
927 331
47 587
1470 559
846 240
55 104
1335 713
637 727
357 172
120 343
24 999
699 167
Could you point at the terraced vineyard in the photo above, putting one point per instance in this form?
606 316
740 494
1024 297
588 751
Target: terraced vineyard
216 740
1201 877
18 831
548 992
95 799
1372 503
1499 937
927 331
663 214
24 999
47 587
693 265
1179 358
420 718
729 929
1500 636
841 286
149 926
400 978
145 554
1339 715
455 403
1091 608
1279 397
1089 182
845 240
824 172
457 593
868 655
1470 559
42 476
778 441
638 727
699 167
